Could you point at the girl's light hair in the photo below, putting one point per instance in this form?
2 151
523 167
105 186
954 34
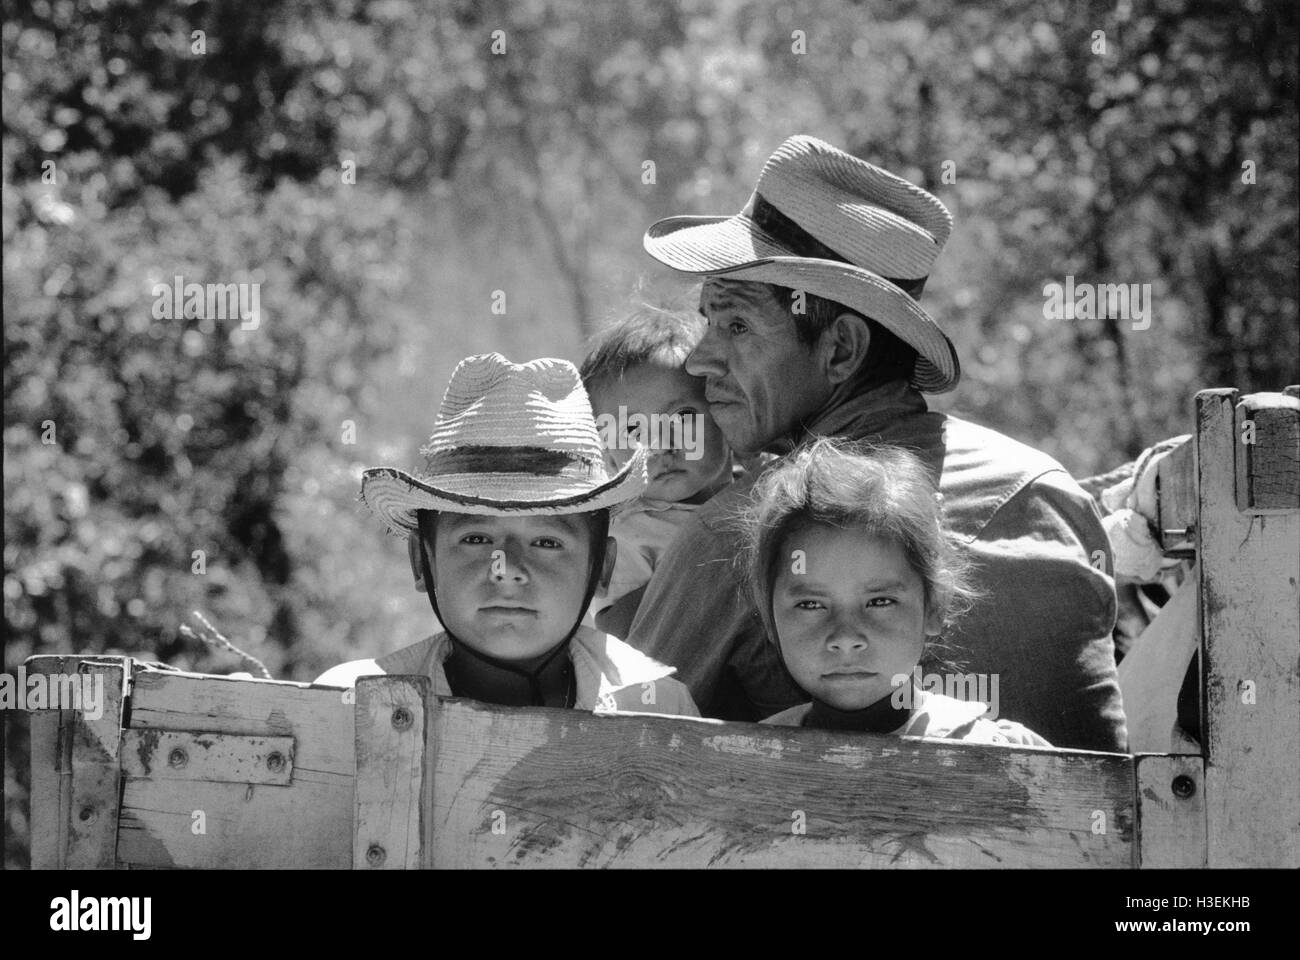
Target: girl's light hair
885 491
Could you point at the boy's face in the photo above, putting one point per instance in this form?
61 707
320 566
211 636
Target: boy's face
853 619
510 587
663 408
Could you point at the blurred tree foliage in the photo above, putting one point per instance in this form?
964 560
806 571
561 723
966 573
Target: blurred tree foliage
534 172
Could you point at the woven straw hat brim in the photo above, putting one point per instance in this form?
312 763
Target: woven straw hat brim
734 248
709 244
395 495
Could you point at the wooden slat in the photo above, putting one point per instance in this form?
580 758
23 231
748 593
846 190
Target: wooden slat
1171 811
1268 469
218 757
307 825
1176 496
550 788
390 817
52 737
1250 622
96 772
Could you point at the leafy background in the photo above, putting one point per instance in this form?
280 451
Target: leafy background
522 172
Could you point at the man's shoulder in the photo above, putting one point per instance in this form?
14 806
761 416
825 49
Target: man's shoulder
984 470
970 447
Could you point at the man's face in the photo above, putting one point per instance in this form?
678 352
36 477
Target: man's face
510 587
760 381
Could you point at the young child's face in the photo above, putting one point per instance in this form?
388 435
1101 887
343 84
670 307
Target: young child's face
854 619
689 461
510 587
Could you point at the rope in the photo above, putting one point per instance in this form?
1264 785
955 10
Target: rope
213 638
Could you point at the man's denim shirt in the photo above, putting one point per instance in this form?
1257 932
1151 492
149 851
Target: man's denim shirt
1041 562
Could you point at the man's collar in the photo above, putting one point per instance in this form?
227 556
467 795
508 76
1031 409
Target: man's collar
853 412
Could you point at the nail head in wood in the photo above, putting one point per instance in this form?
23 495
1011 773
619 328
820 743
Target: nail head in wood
177 758
401 718
375 855
275 762
1183 786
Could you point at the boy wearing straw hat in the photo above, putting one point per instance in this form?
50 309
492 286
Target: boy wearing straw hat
815 330
508 535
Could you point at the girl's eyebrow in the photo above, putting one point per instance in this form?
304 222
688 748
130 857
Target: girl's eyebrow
801 583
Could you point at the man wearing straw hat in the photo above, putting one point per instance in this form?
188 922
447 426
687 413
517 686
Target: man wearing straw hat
814 329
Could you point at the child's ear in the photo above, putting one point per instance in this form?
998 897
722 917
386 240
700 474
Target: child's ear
611 555
933 622
413 551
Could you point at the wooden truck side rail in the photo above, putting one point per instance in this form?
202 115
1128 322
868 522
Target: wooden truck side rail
189 770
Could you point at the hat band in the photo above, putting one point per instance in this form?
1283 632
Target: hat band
486 459
802 243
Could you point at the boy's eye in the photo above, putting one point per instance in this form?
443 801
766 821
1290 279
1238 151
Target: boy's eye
881 602
548 543
474 539
808 605
735 327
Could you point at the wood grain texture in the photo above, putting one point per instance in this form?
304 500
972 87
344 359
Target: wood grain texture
1268 470
219 757
549 788
96 772
1171 811
1176 503
307 825
1250 622
390 819
51 760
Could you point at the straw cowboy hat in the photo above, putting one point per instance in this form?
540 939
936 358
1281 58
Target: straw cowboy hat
823 221
510 439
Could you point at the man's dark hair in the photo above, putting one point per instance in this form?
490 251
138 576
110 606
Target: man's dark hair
888 358
649 334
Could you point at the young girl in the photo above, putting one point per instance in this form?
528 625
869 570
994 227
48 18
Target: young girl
854 578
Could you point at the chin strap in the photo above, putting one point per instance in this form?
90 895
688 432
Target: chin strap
600 533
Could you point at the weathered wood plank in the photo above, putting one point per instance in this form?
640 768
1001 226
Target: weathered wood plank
390 819
551 788
197 823
1268 461
1151 674
96 773
1176 496
219 757
1250 622
1171 811
52 737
